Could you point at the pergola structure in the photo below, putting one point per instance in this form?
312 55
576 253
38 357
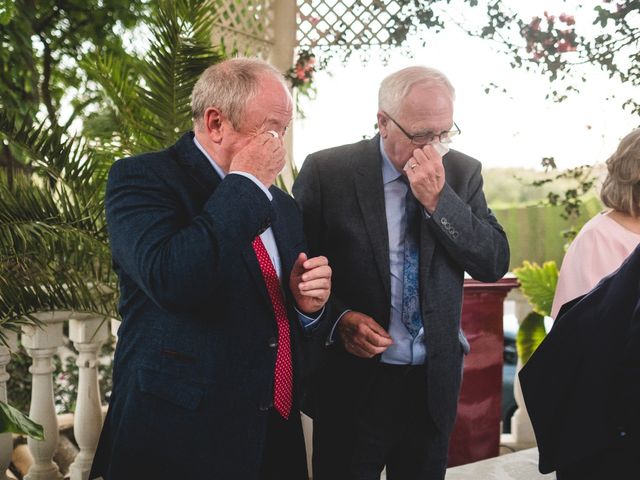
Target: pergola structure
276 29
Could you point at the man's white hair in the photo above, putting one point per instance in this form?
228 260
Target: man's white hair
229 86
395 87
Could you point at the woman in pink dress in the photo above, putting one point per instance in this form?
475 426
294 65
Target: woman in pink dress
607 239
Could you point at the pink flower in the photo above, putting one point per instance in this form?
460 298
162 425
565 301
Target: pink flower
566 46
535 23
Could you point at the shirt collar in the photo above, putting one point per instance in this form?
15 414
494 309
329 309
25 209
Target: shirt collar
215 166
389 172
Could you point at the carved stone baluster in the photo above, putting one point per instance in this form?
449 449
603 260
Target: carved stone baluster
88 333
521 428
6 439
42 344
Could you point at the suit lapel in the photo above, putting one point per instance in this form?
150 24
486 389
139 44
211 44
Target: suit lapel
370 193
283 241
196 165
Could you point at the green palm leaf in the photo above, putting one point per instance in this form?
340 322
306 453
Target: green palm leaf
14 421
538 284
151 97
530 335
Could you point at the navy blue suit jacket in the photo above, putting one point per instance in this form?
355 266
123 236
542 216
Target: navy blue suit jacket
193 373
582 384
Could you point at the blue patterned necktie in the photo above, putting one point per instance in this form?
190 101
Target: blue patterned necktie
411 316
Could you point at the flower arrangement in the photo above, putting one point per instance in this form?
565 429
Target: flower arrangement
300 76
555 38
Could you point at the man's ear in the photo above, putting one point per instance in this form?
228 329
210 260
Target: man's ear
382 124
212 124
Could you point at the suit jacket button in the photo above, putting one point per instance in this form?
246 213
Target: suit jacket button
443 221
273 342
265 406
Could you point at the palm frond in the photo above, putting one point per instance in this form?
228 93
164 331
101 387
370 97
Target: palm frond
179 53
151 95
54 252
53 154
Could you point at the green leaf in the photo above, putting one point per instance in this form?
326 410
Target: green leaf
14 421
530 334
7 10
538 284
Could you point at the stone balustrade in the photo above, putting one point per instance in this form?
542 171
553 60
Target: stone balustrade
87 334
42 343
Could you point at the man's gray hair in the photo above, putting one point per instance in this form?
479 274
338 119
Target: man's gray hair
229 86
396 86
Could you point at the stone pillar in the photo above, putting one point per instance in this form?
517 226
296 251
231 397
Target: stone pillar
522 434
42 344
87 333
6 439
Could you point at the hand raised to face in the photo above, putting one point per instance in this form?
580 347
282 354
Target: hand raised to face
263 157
426 176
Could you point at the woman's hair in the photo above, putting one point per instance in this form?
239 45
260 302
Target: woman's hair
621 188
396 86
229 86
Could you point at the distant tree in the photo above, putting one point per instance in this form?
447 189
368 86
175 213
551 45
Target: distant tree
558 45
42 44
54 252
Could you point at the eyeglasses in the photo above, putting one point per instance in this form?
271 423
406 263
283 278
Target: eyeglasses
421 139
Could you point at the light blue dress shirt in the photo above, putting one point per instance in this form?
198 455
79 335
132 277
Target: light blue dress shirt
267 236
405 349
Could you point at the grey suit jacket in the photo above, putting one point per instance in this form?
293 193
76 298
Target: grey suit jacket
340 192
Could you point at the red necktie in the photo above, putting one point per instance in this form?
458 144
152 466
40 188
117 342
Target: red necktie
282 389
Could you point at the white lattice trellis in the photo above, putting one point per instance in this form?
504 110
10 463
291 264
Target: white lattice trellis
352 23
244 26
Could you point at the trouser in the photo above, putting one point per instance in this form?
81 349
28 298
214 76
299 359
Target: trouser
284 456
389 426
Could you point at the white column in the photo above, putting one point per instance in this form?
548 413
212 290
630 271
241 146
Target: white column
87 333
115 326
42 344
6 439
521 428
281 57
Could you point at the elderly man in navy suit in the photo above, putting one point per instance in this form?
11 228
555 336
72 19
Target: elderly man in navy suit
217 294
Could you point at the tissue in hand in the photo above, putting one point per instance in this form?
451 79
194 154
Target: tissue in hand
440 148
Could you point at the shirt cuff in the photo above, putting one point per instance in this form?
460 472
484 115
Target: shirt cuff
256 181
309 323
427 215
330 338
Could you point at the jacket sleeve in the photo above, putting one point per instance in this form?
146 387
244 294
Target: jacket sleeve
179 261
470 233
308 194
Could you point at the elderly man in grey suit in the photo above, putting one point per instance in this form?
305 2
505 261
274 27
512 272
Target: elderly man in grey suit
401 219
